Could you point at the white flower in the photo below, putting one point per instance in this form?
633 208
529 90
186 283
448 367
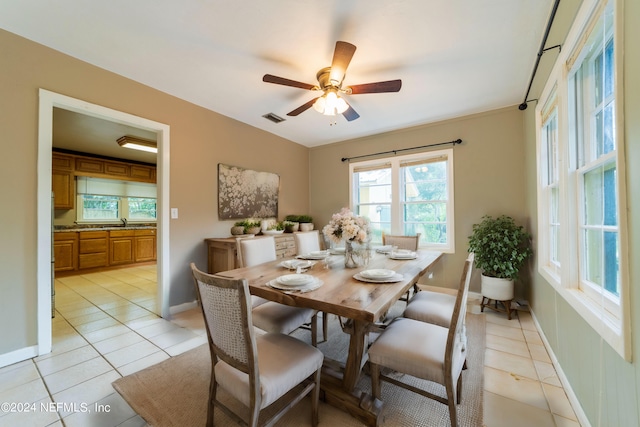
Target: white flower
344 225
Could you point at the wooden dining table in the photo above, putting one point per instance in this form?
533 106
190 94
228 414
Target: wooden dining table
361 306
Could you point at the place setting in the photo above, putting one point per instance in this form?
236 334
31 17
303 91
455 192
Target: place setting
297 264
314 255
294 282
402 254
378 275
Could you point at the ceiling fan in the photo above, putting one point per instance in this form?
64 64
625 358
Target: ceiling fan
330 83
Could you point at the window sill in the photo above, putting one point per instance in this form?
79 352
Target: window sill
606 324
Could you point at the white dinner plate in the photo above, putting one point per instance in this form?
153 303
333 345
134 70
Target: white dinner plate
377 274
293 264
311 286
314 255
293 280
384 249
395 278
403 255
336 251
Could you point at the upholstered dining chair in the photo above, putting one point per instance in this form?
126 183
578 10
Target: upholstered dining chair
257 370
307 242
268 315
434 307
410 243
425 351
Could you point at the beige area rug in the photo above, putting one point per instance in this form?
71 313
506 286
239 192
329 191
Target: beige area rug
174 392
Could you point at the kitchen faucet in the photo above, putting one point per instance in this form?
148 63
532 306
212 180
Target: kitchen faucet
124 221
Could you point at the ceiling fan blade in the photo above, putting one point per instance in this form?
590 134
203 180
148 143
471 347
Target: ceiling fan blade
377 87
350 114
286 82
304 107
341 58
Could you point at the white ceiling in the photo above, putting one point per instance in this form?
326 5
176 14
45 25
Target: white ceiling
455 57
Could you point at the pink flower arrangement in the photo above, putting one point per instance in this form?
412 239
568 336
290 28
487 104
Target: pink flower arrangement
344 225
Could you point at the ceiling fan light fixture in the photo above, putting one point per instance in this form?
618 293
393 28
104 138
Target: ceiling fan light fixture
138 144
330 104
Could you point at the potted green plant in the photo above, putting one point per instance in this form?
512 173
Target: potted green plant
306 222
249 226
238 228
501 248
291 223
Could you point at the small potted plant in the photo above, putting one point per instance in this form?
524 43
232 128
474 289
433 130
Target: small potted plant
275 228
252 226
238 228
306 223
291 223
500 248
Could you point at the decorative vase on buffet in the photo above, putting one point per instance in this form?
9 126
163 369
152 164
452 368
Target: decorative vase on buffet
354 230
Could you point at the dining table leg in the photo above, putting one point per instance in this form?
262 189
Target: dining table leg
339 382
355 358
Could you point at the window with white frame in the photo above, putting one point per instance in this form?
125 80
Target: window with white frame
106 200
550 185
581 250
407 195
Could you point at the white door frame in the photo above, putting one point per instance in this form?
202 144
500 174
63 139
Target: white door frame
49 100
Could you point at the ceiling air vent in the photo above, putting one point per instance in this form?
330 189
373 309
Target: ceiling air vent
273 118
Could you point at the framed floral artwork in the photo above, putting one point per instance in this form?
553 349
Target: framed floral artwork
244 193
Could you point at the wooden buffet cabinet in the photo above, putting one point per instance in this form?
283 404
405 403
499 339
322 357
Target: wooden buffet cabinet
222 254
80 250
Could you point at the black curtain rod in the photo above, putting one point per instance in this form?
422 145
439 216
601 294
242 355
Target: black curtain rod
541 51
457 141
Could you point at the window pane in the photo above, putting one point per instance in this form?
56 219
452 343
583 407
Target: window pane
429 233
425 212
142 208
380 219
593 200
374 186
100 207
425 182
605 130
611 263
593 256
554 243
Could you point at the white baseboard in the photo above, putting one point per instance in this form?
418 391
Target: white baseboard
573 399
174 309
19 355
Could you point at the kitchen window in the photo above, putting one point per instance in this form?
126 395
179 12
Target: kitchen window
407 195
112 201
581 190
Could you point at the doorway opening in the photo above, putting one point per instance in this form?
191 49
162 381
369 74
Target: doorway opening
49 101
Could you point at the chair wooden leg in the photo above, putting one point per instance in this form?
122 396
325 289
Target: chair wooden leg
375 380
459 389
315 398
325 325
213 387
314 330
451 403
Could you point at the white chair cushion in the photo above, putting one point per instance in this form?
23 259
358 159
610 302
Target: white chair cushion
431 307
414 348
283 362
256 301
275 317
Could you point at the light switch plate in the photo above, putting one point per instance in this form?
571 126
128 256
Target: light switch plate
174 213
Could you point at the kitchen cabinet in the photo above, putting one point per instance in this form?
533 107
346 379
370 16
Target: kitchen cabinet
222 254
92 249
65 251
63 189
121 244
145 245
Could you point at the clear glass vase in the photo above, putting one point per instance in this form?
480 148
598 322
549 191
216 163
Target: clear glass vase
356 254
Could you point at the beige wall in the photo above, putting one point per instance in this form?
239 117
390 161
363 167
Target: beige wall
200 139
488 176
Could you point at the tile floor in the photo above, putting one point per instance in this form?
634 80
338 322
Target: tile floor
106 327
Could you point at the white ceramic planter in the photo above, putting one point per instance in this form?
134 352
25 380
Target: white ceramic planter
306 226
497 289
